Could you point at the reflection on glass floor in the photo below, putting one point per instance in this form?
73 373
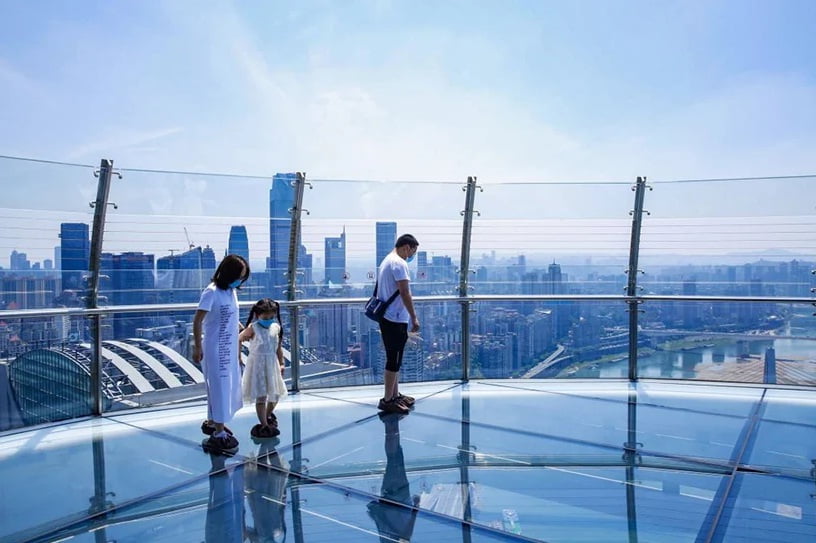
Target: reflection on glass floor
483 461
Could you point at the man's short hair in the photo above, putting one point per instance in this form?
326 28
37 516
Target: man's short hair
406 239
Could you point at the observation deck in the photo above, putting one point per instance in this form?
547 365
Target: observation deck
599 361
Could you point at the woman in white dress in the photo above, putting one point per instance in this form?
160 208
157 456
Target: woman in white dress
263 374
217 318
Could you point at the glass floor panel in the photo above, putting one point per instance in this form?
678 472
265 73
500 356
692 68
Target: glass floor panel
482 461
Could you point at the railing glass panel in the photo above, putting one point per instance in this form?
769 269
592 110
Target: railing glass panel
45 224
744 342
170 230
352 225
532 238
45 366
339 346
729 238
549 339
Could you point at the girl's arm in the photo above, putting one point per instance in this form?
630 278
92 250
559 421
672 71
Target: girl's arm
247 334
197 320
280 357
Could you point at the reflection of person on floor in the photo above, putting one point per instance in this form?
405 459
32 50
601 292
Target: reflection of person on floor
266 495
225 507
394 522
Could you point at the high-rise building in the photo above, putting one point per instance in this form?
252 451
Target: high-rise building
554 282
19 261
238 242
386 236
421 286
442 273
181 278
562 312
335 257
281 200
75 251
132 282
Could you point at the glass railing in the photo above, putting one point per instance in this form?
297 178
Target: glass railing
721 290
742 237
561 238
727 340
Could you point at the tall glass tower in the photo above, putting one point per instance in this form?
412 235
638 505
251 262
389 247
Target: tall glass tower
75 251
281 199
336 259
386 236
133 283
238 241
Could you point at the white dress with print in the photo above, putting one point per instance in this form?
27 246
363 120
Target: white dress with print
222 374
262 375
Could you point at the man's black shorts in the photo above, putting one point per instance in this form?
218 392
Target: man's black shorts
394 335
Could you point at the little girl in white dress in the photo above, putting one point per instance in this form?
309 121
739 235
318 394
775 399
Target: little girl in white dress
263 374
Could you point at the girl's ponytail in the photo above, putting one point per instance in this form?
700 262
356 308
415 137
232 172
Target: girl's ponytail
280 322
251 314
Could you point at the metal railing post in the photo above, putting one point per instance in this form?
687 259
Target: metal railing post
100 206
464 272
632 286
291 275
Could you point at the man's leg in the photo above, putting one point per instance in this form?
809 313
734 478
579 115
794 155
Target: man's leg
395 388
390 379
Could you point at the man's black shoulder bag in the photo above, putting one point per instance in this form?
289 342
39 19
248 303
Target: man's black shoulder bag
375 308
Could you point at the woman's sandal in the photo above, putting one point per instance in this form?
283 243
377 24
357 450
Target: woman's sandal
264 431
208 428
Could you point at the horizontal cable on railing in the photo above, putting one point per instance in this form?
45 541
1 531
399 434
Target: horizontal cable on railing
725 179
43 161
456 182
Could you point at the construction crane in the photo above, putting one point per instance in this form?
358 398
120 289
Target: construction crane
190 244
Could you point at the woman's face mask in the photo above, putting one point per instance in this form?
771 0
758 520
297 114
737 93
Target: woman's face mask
236 283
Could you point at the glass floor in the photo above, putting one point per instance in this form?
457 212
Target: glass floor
483 461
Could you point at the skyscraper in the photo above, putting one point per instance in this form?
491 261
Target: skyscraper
133 283
336 259
386 236
554 281
238 242
75 251
182 277
281 200
19 261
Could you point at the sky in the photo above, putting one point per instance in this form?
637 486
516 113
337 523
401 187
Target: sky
509 91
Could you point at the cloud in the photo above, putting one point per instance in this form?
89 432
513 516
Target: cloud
16 81
119 142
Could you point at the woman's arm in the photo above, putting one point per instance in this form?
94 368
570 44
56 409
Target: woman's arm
197 320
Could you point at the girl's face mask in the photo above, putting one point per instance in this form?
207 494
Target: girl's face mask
266 323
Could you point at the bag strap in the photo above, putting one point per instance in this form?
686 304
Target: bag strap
390 299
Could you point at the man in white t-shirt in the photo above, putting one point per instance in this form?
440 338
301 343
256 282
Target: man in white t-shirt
393 277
